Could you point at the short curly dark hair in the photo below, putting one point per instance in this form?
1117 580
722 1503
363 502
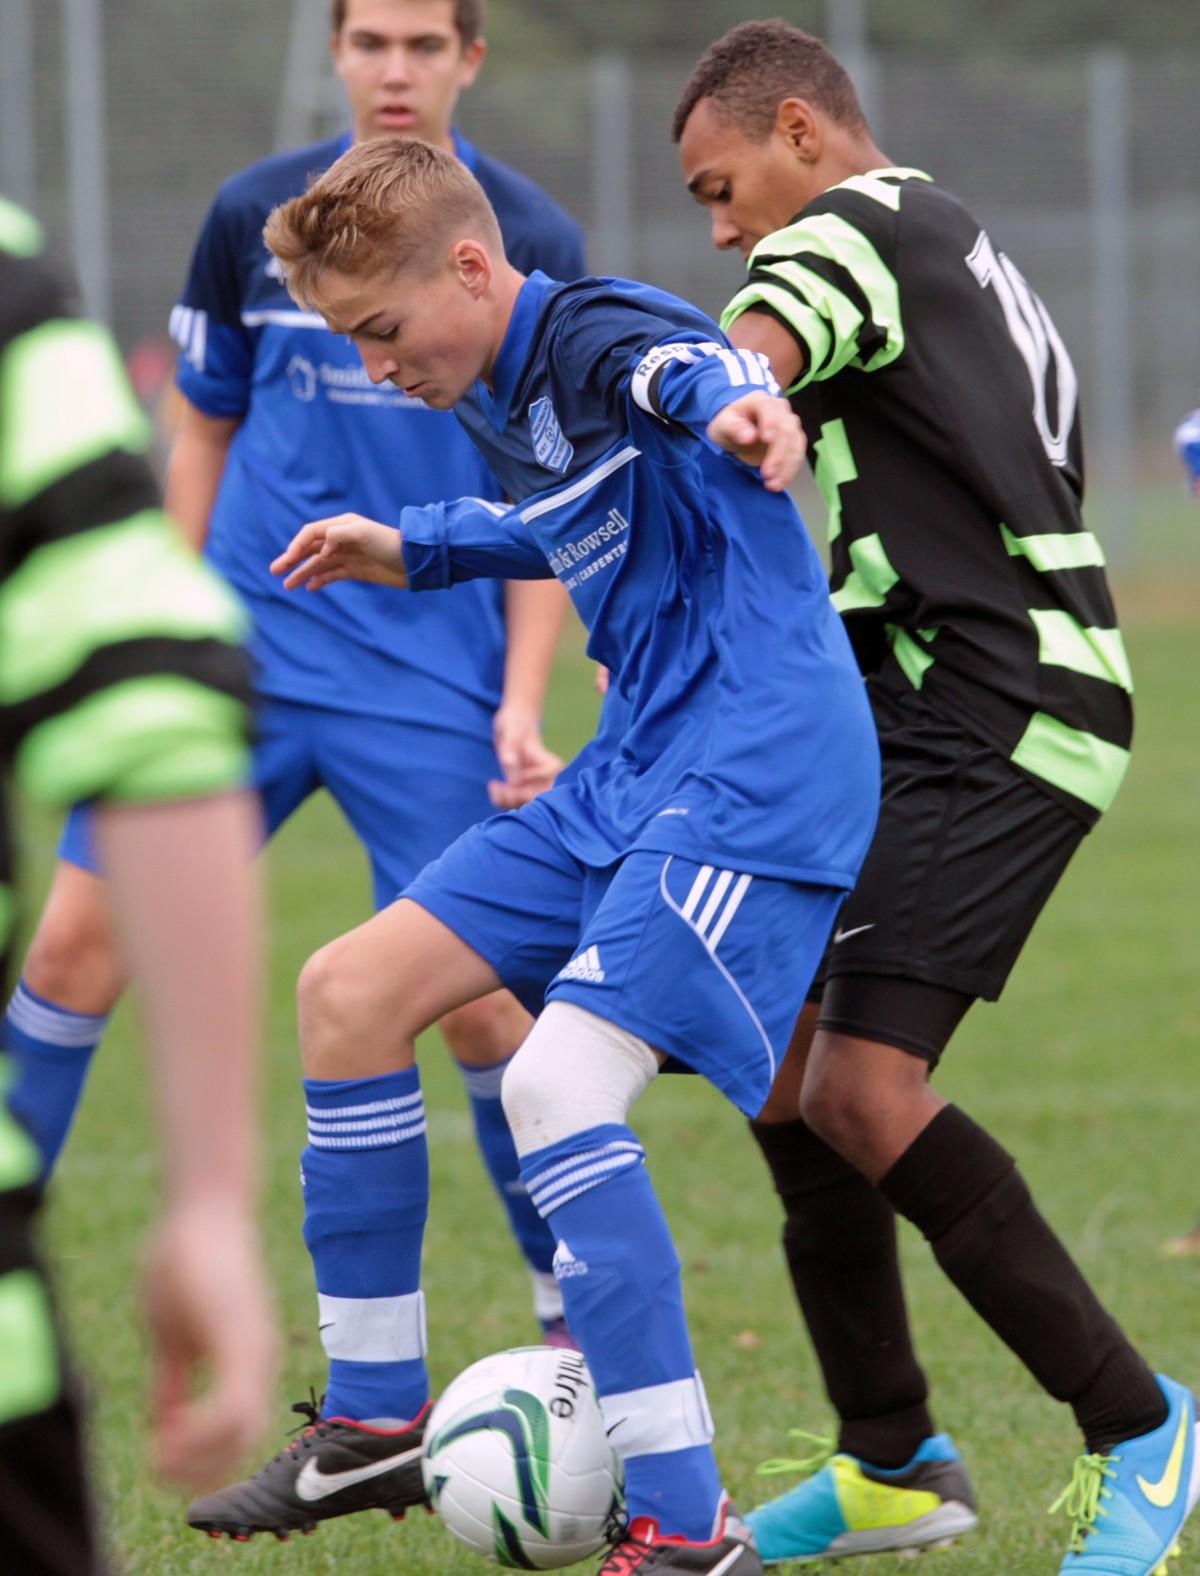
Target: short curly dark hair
468 18
750 71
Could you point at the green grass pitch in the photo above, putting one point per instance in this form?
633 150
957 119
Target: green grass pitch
1086 1070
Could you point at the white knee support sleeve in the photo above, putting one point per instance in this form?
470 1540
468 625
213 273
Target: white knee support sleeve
574 1071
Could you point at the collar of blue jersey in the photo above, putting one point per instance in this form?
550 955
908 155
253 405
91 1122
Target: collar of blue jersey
466 151
514 350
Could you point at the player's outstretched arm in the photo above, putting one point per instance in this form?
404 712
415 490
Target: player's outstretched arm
762 430
344 547
729 396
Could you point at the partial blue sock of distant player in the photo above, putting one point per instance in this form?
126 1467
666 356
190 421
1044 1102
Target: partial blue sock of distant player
499 1153
52 1049
619 1274
365 1174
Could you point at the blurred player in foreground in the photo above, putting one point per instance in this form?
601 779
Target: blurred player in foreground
123 682
400 711
941 408
670 897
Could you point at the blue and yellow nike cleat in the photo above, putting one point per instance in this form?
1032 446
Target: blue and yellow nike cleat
847 1506
1127 1507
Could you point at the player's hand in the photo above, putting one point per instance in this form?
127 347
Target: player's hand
600 679
344 547
210 1323
529 767
762 430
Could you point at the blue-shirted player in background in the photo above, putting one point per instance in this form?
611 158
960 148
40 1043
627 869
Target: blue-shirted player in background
391 704
669 899
1187 445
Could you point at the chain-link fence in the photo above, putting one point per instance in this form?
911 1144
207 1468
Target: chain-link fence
1080 161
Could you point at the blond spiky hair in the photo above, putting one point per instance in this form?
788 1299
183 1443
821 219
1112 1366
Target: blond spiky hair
387 205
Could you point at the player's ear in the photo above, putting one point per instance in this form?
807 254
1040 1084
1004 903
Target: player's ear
800 127
471 62
471 263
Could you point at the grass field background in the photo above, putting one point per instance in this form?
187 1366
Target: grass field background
1087 1070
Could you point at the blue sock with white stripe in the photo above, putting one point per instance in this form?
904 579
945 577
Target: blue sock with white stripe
365 1175
619 1274
499 1153
52 1048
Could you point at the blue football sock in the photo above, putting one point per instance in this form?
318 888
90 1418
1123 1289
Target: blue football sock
365 1175
619 1275
52 1049
532 1234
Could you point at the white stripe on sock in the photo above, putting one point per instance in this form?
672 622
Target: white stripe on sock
618 1144
660 1418
373 1329
483 1083
404 1102
576 1182
54 1025
381 1140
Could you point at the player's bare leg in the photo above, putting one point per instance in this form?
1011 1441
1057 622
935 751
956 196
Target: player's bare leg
71 980
867 1100
362 1000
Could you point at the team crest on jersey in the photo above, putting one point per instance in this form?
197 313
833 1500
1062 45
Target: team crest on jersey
550 447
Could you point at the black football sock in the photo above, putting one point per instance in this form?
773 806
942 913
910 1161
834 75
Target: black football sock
839 1237
964 1193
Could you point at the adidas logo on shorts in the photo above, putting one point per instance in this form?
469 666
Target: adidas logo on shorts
565 1265
585 967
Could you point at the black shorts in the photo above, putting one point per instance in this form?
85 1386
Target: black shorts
965 855
47 1526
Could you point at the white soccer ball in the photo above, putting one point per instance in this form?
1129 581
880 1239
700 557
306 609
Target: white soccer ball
517 1463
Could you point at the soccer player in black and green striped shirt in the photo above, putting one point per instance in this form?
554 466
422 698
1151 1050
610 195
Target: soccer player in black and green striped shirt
941 409
122 680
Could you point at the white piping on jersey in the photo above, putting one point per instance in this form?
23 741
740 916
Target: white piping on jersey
712 941
282 317
741 367
758 369
188 327
492 507
584 484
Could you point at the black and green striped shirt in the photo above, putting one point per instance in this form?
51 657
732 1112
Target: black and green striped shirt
941 409
121 670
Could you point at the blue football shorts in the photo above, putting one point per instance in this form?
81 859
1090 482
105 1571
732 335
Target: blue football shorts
407 791
708 965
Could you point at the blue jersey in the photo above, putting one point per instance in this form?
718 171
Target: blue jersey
316 438
736 731
1187 443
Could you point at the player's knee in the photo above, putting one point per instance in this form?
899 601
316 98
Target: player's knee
486 1031
836 1108
72 959
337 1007
575 1071
355 1022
